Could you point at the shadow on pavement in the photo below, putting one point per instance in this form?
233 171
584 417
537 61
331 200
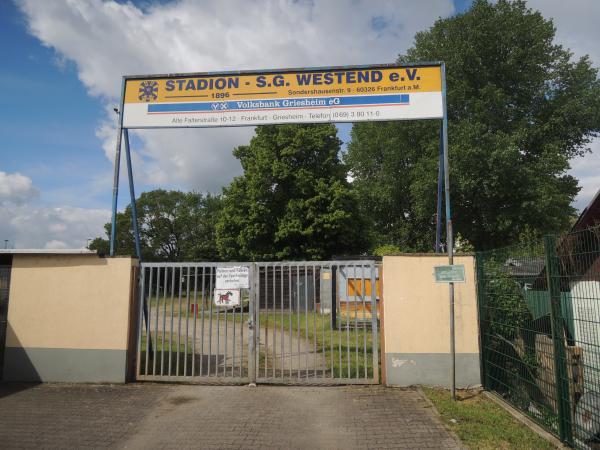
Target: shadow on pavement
9 388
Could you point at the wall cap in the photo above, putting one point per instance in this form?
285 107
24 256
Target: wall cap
420 255
47 251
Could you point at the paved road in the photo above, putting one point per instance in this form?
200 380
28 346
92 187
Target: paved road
149 416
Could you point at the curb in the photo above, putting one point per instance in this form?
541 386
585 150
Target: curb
439 416
523 419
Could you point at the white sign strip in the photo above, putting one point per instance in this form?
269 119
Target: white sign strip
233 277
417 105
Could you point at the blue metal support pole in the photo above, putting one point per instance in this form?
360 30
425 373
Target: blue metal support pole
134 221
449 235
113 224
136 231
440 192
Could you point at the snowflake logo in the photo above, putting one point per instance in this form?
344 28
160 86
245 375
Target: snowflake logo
148 91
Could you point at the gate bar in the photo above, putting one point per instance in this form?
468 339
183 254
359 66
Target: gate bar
164 320
172 309
203 298
251 319
375 330
156 318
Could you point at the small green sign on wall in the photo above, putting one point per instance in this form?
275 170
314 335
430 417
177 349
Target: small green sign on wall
450 274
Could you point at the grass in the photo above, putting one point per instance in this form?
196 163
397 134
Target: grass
185 310
338 346
481 423
160 353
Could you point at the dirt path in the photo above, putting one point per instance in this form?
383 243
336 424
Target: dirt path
222 343
288 353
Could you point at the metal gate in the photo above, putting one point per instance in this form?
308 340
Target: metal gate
292 323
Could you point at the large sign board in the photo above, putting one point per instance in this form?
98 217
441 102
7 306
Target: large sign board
342 94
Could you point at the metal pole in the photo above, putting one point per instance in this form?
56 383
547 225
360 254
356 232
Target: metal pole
438 219
374 324
481 306
113 226
134 221
136 231
333 297
254 275
553 277
449 236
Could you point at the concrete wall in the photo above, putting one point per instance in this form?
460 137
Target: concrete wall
416 323
68 318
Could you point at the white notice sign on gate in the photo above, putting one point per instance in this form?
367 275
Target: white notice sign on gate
227 297
233 277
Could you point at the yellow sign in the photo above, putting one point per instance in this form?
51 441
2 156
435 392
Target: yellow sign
296 96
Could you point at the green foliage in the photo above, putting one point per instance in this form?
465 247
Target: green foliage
101 245
519 107
387 249
461 245
293 200
174 226
505 305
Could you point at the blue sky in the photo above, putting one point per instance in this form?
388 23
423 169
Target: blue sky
60 76
49 134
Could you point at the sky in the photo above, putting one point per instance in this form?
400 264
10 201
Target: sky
60 78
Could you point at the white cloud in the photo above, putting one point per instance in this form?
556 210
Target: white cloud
577 28
576 24
587 171
106 40
54 244
27 226
16 188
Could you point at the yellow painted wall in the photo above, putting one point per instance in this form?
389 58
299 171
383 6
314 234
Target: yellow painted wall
416 308
69 302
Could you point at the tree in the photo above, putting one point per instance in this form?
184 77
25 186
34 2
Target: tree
519 108
293 200
174 226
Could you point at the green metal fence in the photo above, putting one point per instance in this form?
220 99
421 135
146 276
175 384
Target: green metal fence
539 313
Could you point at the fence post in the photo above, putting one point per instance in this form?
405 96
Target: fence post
480 307
252 306
558 339
333 297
